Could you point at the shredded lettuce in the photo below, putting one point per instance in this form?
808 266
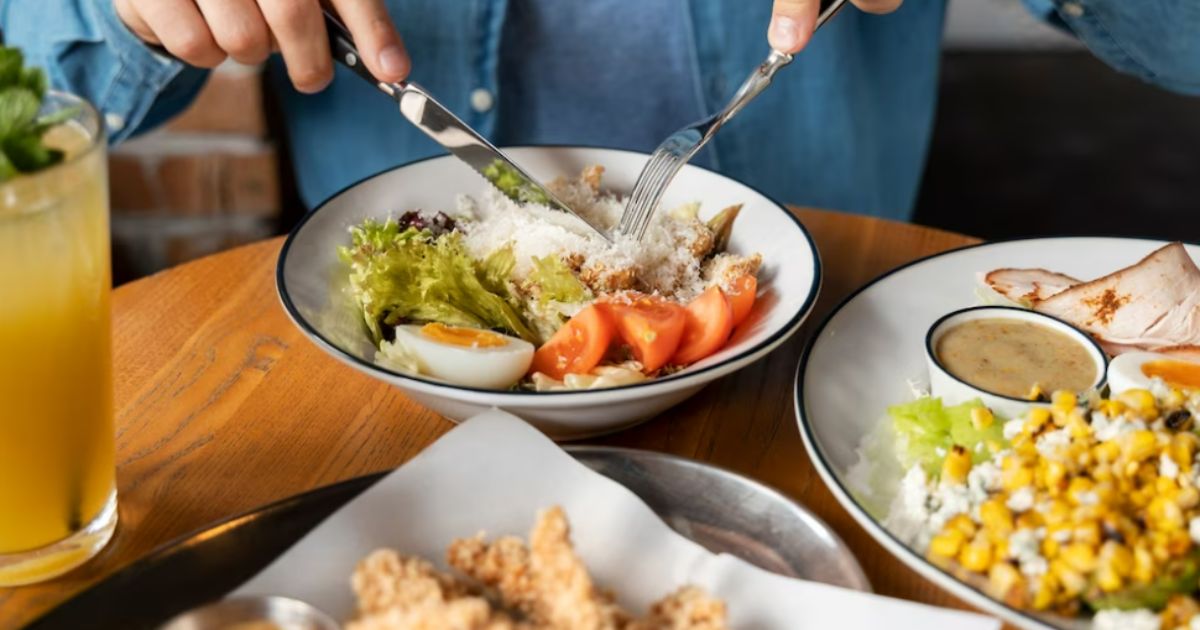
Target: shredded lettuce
926 429
405 274
513 184
557 282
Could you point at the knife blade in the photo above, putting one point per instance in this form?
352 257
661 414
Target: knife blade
448 130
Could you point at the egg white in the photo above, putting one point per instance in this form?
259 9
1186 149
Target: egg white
1125 371
487 368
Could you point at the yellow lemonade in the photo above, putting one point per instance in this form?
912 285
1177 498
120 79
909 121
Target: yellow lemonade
57 473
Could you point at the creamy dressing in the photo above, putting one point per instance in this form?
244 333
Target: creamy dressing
1008 357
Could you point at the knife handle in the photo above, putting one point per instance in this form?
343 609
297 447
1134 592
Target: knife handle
341 46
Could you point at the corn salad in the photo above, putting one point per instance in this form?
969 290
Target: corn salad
1093 505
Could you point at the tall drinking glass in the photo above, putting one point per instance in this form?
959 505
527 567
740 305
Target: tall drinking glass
58 502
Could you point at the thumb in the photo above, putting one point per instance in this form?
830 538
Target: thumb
792 24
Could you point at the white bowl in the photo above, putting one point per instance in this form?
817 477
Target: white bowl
310 280
953 390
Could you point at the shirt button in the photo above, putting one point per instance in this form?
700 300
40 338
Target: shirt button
114 122
1072 9
482 100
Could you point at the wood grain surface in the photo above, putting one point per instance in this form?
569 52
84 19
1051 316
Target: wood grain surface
223 406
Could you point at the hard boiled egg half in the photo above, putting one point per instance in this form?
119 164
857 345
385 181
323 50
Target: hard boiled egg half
465 356
1137 370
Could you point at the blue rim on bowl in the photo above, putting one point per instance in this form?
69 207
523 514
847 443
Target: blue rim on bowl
674 381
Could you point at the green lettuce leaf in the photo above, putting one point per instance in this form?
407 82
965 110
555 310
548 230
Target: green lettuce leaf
927 429
557 282
409 275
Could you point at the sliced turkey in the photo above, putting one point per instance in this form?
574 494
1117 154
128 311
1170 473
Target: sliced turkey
1028 286
1152 305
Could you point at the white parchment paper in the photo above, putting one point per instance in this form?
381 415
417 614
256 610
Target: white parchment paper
494 472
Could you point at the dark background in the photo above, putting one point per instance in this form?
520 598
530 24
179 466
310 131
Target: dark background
1057 143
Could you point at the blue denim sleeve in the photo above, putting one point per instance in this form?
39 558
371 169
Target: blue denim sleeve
87 50
1155 40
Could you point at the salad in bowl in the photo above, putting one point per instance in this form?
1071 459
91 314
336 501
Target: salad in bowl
438 283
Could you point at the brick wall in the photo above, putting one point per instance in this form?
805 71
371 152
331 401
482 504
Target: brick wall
207 181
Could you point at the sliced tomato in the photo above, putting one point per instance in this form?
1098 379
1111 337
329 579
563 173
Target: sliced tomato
709 322
577 347
650 326
741 294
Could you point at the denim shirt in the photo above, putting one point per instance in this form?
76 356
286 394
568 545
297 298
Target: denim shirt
845 126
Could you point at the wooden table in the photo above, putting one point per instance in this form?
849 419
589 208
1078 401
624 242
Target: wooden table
222 406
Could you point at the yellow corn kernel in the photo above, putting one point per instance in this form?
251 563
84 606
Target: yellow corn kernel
1043 596
1108 580
1188 498
1024 445
1106 452
1111 408
1050 548
1118 557
947 544
1174 399
982 418
976 555
1166 487
962 523
1063 400
1078 427
1056 472
1072 581
1002 578
956 465
1087 532
1080 557
1140 401
1036 419
1036 393
1056 513
1179 542
997 519
1031 519
1000 549
1164 515
994 447
1143 565
1079 491
1182 449
1139 444
1016 476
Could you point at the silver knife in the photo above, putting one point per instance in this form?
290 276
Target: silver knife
448 130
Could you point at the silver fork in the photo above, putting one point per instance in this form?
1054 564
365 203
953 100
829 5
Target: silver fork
680 147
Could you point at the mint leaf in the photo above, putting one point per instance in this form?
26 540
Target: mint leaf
18 108
11 63
34 80
7 170
27 153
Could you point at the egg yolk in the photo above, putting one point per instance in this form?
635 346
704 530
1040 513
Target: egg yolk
465 337
1177 373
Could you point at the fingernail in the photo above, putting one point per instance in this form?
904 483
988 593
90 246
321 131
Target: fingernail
393 62
784 34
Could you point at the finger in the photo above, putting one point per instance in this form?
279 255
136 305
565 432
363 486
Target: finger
299 27
792 24
877 6
376 37
182 31
133 20
238 28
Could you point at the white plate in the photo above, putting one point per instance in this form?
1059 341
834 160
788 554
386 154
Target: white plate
308 273
864 353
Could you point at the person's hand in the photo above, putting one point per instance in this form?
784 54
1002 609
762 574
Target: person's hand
793 21
204 32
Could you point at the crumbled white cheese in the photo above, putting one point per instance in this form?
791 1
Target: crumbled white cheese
1049 443
1167 467
1021 500
1140 619
1088 498
1024 546
983 480
909 511
1194 529
1194 624
1012 428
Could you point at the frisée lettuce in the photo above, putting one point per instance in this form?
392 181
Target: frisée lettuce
404 274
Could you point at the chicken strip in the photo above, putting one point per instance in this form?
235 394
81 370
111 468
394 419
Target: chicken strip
1028 286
